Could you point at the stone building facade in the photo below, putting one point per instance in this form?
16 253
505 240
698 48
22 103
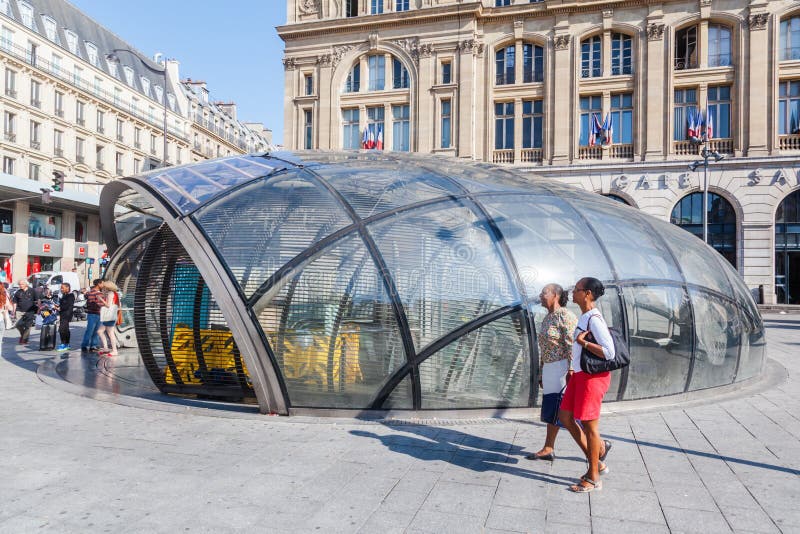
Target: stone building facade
521 83
79 100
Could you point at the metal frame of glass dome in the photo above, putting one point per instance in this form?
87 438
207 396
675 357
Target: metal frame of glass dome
183 231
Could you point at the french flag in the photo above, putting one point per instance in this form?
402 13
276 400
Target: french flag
371 143
691 126
365 139
710 126
379 140
595 130
608 129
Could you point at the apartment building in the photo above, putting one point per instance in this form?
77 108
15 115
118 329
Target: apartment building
79 100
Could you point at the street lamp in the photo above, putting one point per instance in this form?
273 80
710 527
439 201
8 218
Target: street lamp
706 154
112 56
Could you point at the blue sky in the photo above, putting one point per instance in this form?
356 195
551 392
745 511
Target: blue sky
232 45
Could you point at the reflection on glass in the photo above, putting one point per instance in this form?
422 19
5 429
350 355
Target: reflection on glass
660 335
549 243
446 268
633 250
333 330
260 227
487 367
717 332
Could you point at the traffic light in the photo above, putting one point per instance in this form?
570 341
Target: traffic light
58 181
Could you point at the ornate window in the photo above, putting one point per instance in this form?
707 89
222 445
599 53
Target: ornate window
719 46
377 72
591 109
504 125
622 118
591 57
789 43
686 48
719 109
72 42
351 138
353 82
685 105
504 65
400 128
532 63
621 54
399 75
789 107
401 5
91 52
532 120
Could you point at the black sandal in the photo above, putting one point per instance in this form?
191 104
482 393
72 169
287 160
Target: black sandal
608 448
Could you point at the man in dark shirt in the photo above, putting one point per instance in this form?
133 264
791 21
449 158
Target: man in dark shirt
91 341
65 306
25 302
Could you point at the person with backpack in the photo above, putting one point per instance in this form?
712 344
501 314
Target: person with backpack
65 308
94 301
108 319
25 302
584 394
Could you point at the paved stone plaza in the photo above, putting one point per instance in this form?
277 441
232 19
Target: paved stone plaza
69 463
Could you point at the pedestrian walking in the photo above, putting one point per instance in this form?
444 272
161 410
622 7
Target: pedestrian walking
93 304
108 319
555 362
5 313
66 306
25 303
584 394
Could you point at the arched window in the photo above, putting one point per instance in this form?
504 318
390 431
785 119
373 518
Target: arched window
590 57
621 54
719 46
532 63
787 250
789 43
686 48
688 214
504 65
399 75
353 82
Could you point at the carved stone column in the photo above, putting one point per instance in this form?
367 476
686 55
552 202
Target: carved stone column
471 50
656 80
563 107
758 101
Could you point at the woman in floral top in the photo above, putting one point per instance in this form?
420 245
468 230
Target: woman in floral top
555 357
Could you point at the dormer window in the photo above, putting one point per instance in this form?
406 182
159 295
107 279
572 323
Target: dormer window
26 13
91 52
72 42
128 75
50 27
5 7
159 91
171 100
145 85
112 68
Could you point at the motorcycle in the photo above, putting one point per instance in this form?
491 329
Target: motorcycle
79 308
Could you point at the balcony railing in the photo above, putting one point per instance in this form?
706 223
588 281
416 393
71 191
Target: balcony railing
592 72
60 113
11 93
683 63
119 171
503 156
101 130
721 60
617 70
100 166
45 66
59 152
153 150
532 76
620 151
120 138
137 145
36 103
80 122
790 142
590 152
531 155
687 148
36 145
10 137
79 159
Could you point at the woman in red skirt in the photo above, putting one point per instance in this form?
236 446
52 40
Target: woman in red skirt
585 391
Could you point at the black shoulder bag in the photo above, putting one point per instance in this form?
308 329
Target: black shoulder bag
594 364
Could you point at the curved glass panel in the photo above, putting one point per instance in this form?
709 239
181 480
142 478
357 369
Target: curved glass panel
373 187
549 242
189 186
635 253
488 367
400 399
133 215
333 330
718 330
693 256
446 268
261 226
660 331
611 308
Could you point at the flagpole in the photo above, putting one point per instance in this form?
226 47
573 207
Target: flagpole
705 191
